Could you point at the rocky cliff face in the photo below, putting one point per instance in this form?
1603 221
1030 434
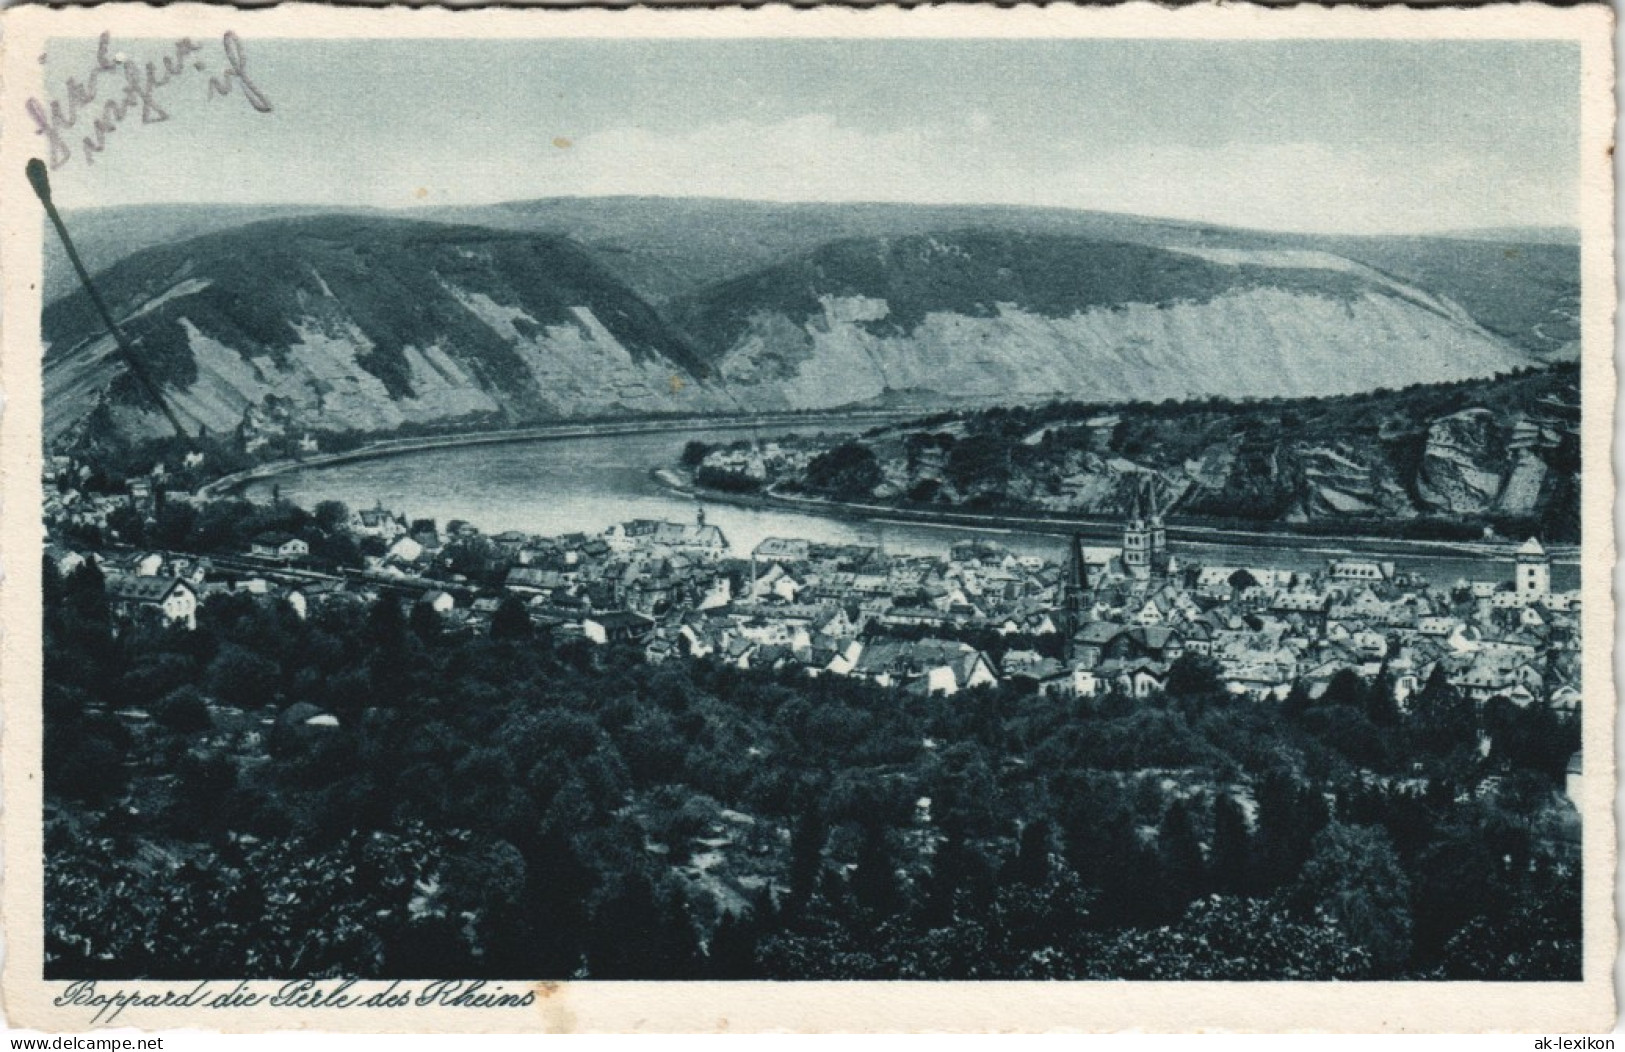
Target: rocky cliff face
1523 285
1502 452
1464 463
367 325
1000 317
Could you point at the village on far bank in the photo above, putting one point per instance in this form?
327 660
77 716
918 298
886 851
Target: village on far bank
1104 621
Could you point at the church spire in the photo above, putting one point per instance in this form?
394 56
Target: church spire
1076 591
1078 571
1160 562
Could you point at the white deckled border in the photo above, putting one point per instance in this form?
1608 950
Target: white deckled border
588 1006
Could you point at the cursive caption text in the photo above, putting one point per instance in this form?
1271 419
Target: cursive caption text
118 88
106 1002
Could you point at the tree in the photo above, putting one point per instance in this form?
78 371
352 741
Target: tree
874 882
174 524
82 752
485 884
50 582
511 621
1242 580
638 933
1441 717
1289 816
1346 688
980 461
1539 939
694 453
1194 676
240 677
1232 847
951 874
1354 878
339 549
807 855
1128 872
425 622
332 516
1232 939
847 472
1533 738
1380 706
203 784
386 628
127 524
732 953
84 592
559 886
183 711
1297 701
1031 866
1184 873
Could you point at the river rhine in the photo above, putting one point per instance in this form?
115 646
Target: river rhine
586 484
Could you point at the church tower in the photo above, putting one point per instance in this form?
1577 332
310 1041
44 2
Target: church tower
1137 540
1158 531
1534 571
1075 599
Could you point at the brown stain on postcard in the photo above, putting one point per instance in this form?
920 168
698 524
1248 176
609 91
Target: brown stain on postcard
552 1002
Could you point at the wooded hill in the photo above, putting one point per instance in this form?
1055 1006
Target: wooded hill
1430 460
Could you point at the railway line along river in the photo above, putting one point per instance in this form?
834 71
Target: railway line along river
584 483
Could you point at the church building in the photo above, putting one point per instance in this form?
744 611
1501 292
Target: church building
1145 537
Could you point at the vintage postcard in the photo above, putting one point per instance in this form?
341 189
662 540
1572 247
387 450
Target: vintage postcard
946 519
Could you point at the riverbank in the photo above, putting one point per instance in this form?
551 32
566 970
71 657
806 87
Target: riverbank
1106 529
228 484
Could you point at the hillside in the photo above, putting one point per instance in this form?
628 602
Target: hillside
104 236
366 324
992 315
562 309
1449 459
1522 284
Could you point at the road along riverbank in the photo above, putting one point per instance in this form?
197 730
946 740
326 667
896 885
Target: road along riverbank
587 477
1111 529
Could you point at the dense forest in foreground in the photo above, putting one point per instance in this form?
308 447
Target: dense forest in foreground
364 794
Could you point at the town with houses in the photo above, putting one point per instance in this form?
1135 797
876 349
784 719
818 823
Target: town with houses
1104 620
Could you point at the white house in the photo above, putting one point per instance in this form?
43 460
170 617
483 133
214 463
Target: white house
172 599
438 601
404 550
279 546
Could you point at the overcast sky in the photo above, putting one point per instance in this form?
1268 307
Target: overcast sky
1315 136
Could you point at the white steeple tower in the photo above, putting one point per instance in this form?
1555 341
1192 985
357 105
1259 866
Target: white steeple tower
1534 578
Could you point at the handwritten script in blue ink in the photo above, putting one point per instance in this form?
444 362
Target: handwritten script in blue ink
118 88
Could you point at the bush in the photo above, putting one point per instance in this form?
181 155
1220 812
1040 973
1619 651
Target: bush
183 711
847 472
